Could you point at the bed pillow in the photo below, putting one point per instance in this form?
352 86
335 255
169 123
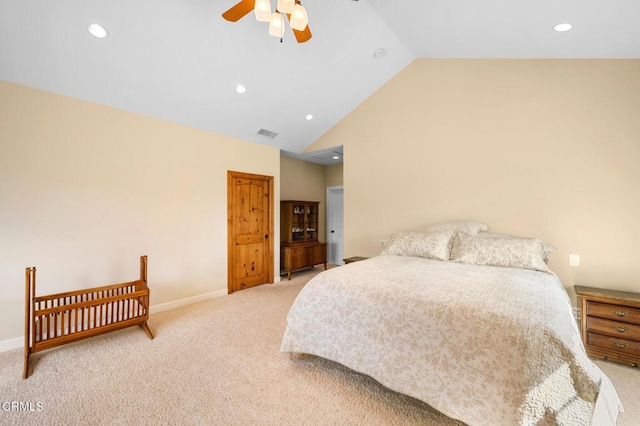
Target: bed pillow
546 248
525 253
459 226
430 245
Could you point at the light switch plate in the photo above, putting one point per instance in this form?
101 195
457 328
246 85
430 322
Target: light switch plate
574 260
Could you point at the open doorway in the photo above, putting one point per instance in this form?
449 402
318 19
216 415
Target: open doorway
335 224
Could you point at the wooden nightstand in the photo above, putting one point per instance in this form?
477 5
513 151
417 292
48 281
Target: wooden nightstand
354 259
610 324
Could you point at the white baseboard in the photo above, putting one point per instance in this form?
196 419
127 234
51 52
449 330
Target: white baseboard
18 342
10 344
186 301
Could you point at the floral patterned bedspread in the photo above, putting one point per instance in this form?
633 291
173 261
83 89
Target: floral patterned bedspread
484 345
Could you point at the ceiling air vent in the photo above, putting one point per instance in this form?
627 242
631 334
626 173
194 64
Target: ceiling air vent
267 133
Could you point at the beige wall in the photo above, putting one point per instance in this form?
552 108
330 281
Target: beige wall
301 180
304 181
333 175
86 189
544 148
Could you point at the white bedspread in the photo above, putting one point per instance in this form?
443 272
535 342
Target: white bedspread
485 345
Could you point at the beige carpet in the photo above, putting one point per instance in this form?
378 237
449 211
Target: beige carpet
217 362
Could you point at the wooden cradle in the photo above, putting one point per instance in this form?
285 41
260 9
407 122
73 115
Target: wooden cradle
56 319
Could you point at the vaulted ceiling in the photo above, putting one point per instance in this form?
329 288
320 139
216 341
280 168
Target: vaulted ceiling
180 61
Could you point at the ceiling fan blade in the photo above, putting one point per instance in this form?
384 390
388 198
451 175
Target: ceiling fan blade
301 36
239 10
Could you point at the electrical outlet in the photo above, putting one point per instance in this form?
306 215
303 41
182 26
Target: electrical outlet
574 260
576 313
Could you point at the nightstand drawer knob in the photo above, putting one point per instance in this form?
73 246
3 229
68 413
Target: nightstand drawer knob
620 329
620 313
620 345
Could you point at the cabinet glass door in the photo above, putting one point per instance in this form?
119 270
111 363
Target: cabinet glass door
298 222
312 222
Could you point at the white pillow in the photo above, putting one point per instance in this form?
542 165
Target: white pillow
546 248
459 226
525 253
430 245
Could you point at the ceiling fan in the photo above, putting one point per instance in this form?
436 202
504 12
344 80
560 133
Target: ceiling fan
293 9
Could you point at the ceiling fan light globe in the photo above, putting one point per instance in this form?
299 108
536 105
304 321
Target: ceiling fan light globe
286 6
262 10
276 25
299 19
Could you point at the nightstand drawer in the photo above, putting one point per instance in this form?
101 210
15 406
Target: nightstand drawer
613 328
629 347
614 312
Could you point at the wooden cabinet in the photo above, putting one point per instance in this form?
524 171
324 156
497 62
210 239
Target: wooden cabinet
301 256
299 245
298 221
610 324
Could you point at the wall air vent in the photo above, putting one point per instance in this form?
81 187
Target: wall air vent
267 133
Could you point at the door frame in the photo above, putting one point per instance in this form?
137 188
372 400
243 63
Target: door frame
231 175
329 219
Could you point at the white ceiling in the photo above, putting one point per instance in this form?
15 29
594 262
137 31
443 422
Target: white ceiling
180 61
324 157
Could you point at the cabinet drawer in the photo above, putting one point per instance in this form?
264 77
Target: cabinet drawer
613 328
614 312
616 344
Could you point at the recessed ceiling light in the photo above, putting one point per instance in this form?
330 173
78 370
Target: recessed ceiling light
309 117
240 89
335 157
562 27
379 53
97 30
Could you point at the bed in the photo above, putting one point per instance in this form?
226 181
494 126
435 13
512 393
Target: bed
487 345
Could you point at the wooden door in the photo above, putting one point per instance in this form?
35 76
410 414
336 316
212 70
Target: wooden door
249 230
